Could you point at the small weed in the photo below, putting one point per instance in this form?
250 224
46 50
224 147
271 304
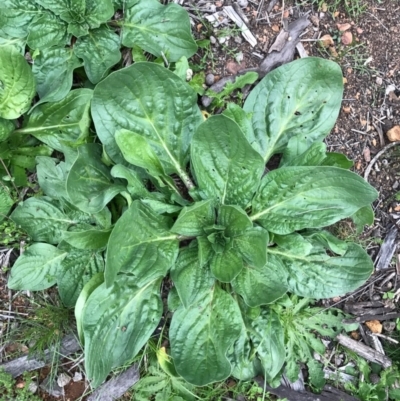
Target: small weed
10 392
352 8
11 235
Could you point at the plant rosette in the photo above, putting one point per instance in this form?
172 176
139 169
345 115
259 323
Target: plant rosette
191 201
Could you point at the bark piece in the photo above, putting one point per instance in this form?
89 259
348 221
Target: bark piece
246 33
364 318
367 353
117 386
16 367
387 250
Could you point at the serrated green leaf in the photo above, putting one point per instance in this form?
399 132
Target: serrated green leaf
268 336
89 182
226 266
36 269
302 97
117 322
261 285
16 16
6 201
47 30
191 280
226 167
293 198
6 128
193 219
17 84
52 175
41 219
62 123
141 245
53 69
100 51
317 275
75 271
201 335
88 288
153 102
158 29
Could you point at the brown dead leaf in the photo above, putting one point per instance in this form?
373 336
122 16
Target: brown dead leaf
315 20
347 38
374 325
367 154
234 68
397 208
358 165
346 109
336 14
343 27
394 134
199 26
275 28
327 41
344 80
324 7
355 335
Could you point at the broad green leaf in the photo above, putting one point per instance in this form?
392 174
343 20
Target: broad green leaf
135 185
327 240
193 219
18 43
41 219
100 51
234 219
17 84
6 129
261 285
89 182
140 245
88 288
181 68
268 336
36 269
205 250
81 15
52 174
201 335
62 123
226 167
136 150
242 119
363 217
16 16
6 201
252 246
47 30
318 275
75 271
117 322
313 156
158 29
151 101
302 97
162 207
293 198
226 266
191 280
53 70
90 239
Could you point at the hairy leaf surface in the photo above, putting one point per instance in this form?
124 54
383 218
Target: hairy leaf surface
293 198
226 167
302 97
36 269
158 29
201 335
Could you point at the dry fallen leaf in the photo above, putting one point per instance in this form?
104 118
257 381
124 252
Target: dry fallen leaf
327 41
343 27
355 335
347 38
324 7
394 134
346 109
275 28
374 142
344 80
374 325
358 165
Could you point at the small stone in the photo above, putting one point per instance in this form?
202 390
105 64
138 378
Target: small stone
189 74
33 387
343 27
394 134
213 40
379 81
238 39
376 297
389 326
243 3
359 31
52 388
210 79
347 38
223 39
395 185
63 379
77 377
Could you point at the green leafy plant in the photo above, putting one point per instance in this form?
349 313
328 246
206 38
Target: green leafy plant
9 391
169 196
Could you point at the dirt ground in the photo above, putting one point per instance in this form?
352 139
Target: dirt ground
367 47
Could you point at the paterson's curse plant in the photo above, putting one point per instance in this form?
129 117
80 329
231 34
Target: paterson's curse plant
168 199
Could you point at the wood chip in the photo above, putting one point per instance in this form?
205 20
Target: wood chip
375 326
